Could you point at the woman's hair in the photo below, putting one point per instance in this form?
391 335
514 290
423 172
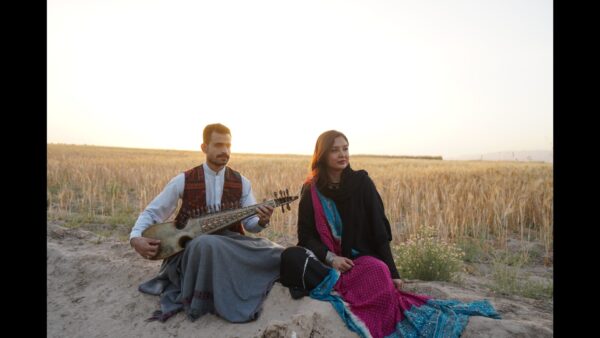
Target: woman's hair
318 164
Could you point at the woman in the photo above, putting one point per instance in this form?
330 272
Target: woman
343 246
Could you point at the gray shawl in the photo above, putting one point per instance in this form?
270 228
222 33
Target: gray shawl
226 274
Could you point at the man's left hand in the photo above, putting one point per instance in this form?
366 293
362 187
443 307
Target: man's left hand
264 214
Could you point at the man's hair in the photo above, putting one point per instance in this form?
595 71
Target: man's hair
217 127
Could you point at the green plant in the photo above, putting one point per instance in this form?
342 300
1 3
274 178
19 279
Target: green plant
508 278
475 250
425 257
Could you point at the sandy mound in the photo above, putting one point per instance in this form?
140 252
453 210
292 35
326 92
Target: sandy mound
92 292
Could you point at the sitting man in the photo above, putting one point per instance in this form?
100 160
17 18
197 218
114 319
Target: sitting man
225 273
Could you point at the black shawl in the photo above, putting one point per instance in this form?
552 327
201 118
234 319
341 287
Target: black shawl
364 224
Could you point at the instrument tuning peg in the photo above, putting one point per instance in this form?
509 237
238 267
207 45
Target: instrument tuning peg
282 209
288 207
287 192
275 193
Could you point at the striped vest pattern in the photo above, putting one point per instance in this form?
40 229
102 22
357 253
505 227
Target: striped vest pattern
194 194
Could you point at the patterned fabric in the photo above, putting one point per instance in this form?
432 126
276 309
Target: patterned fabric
332 214
321 223
325 292
441 318
370 292
194 194
334 219
225 273
369 304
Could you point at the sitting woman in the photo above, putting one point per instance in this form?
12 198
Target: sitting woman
344 257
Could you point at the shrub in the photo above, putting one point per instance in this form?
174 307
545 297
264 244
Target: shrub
424 257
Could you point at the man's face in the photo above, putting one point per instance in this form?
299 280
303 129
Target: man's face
218 149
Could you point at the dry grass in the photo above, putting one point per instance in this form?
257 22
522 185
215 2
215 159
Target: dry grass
486 200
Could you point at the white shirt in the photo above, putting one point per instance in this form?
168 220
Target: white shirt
163 205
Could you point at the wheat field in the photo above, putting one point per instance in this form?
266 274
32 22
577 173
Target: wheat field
487 200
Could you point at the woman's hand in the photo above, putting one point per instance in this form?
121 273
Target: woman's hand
342 264
398 283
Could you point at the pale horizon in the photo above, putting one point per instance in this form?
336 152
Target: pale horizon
398 78
455 157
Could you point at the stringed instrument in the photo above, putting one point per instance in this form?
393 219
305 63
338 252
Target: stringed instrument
173 237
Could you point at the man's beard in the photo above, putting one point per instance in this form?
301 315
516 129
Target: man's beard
220 160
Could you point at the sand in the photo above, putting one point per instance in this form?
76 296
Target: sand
92 292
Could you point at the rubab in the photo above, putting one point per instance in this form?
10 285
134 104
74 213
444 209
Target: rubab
173 237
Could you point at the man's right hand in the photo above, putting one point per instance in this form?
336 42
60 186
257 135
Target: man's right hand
146 247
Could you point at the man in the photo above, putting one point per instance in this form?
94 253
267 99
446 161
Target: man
225 273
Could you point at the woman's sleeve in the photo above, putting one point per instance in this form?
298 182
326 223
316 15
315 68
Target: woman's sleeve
308 236
382 233
385 253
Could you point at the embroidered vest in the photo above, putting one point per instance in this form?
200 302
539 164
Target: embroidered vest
194 194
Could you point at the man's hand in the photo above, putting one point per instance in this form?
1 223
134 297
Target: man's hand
398 283
146 247
342 264
264 214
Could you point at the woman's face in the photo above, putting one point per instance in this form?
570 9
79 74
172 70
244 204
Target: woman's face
338 156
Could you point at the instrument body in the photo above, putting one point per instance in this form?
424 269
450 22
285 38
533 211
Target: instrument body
173 238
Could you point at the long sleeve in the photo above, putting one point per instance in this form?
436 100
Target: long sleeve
165 203
382 233
308 236
161 207
248 199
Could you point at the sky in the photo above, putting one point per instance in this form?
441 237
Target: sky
433 78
